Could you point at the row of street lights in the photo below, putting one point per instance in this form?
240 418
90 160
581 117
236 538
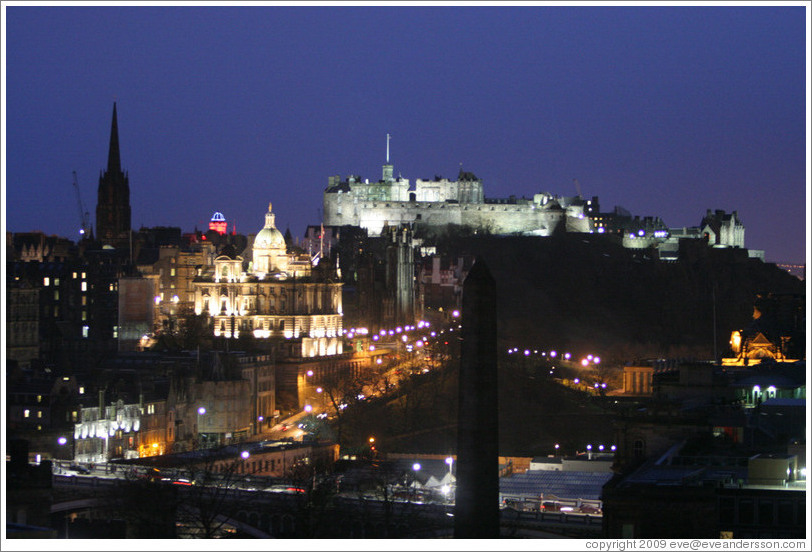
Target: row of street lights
601 448
586 361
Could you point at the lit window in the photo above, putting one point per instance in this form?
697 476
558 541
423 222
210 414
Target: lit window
39 398
115 332
74 275
81 390
56 295
84 315
84 275
46 281
85 330
56 281
39 413
84 300
39 428
26 413
171 271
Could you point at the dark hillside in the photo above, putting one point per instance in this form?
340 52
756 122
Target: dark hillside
535 412
584 293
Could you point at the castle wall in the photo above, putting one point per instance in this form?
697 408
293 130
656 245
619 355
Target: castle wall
498 218
512 218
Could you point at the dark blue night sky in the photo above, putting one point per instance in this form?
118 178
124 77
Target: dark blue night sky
665 111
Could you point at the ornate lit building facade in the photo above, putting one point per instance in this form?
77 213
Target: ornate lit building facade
775 334
275 295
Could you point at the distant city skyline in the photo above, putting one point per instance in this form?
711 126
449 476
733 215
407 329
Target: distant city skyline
665 111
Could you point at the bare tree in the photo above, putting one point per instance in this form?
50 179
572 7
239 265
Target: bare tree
209 491
342 390
194 500
147 507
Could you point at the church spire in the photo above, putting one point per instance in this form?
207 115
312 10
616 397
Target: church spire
114 156
113 213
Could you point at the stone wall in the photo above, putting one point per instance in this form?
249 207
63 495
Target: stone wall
497 218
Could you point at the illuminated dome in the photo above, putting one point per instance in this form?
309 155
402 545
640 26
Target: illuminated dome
218 223
269 237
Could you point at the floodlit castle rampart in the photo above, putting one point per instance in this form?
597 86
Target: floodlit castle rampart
392 201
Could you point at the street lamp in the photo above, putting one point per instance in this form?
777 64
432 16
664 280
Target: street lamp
200 411
62 441
416 468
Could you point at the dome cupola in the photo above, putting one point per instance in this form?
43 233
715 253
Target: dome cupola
269 237
270 250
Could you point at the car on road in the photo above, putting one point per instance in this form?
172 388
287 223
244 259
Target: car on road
79 469
152 474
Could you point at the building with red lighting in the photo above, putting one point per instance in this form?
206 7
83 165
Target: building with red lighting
218 223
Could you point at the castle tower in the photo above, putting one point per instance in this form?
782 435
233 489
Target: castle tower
113 205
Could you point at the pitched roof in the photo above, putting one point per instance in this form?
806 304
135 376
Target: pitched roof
562 484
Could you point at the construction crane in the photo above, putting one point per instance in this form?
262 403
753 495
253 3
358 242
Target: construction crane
83 214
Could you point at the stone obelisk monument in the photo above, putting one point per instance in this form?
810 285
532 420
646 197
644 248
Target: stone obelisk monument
476 512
